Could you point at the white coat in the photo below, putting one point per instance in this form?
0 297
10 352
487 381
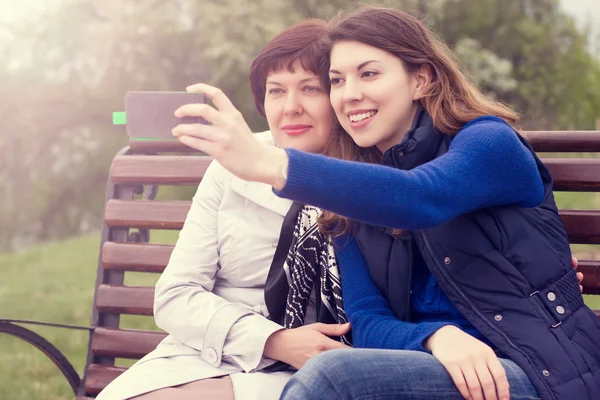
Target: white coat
210 298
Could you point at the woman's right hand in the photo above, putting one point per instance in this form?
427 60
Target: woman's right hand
472 364
296 346
229 139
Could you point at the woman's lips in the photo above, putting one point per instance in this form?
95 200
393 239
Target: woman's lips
295 130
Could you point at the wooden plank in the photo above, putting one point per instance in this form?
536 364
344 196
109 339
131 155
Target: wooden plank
575 174
591 276
569 174
124 343
142 257
166 169
583 227
147 214
99 376
543 141
118 299
564 141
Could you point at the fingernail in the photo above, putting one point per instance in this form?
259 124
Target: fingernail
177 112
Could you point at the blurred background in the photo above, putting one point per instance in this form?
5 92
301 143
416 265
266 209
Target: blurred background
65 66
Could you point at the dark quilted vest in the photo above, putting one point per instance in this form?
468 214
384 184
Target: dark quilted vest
507 269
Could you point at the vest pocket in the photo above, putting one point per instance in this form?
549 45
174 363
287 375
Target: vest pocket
590 349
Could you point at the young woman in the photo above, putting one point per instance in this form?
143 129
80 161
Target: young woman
458 228
210 298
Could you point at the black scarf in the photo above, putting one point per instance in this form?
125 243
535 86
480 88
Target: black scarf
303 254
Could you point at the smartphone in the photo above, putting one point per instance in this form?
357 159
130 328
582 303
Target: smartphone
150 115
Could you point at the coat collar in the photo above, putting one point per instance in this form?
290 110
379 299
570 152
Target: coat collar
420 144
261 193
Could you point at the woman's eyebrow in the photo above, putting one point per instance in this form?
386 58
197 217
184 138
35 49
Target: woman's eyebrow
272 82
360 66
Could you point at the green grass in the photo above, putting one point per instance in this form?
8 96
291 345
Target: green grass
55 282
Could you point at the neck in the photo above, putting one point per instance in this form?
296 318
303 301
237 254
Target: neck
401 132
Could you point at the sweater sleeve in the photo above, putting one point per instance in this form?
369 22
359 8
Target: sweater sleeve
373 323
486 166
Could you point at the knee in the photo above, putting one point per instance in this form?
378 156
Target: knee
317 378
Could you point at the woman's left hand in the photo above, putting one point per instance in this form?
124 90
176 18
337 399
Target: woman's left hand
472 364
229 139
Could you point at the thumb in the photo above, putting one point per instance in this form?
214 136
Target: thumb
333 329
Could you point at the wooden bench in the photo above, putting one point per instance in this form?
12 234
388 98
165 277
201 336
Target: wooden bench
131 211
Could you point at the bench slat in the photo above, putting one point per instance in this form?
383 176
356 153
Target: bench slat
591 276
569 174
543 141
168 170
117 299
124 343
146 214
139 300
564 141
136 256
575 175
99 376
582 226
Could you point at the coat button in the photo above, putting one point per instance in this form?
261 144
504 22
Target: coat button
498 317
546 372
560 310
551 296
210 355
447 260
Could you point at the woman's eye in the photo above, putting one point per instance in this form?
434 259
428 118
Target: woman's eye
334 81
275 91
312 89
368 74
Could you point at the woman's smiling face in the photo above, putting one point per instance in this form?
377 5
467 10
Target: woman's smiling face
372 93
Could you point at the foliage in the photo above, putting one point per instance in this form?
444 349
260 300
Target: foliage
64 72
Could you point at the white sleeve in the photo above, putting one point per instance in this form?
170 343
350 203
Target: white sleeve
184 304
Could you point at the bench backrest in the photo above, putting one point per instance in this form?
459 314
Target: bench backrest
132 210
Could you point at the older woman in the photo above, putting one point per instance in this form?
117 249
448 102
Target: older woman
210 298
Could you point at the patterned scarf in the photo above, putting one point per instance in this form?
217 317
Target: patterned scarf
310 259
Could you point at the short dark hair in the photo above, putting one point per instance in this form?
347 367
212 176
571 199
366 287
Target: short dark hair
301 42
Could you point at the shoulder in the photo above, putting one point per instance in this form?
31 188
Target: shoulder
488 133
219 174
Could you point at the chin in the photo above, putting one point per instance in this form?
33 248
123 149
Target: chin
364 142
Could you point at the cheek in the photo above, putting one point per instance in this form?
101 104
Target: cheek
335 99
273 110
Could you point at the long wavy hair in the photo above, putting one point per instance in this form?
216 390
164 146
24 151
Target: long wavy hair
451 99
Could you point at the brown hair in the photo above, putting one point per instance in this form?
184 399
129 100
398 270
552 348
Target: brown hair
450 98
301 42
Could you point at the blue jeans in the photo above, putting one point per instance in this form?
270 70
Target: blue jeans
370 374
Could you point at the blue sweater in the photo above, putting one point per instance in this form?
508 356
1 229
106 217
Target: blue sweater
486 166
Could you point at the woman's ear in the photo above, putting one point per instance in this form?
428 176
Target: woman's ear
422 79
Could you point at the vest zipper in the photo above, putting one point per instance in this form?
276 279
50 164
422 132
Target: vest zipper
480 315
